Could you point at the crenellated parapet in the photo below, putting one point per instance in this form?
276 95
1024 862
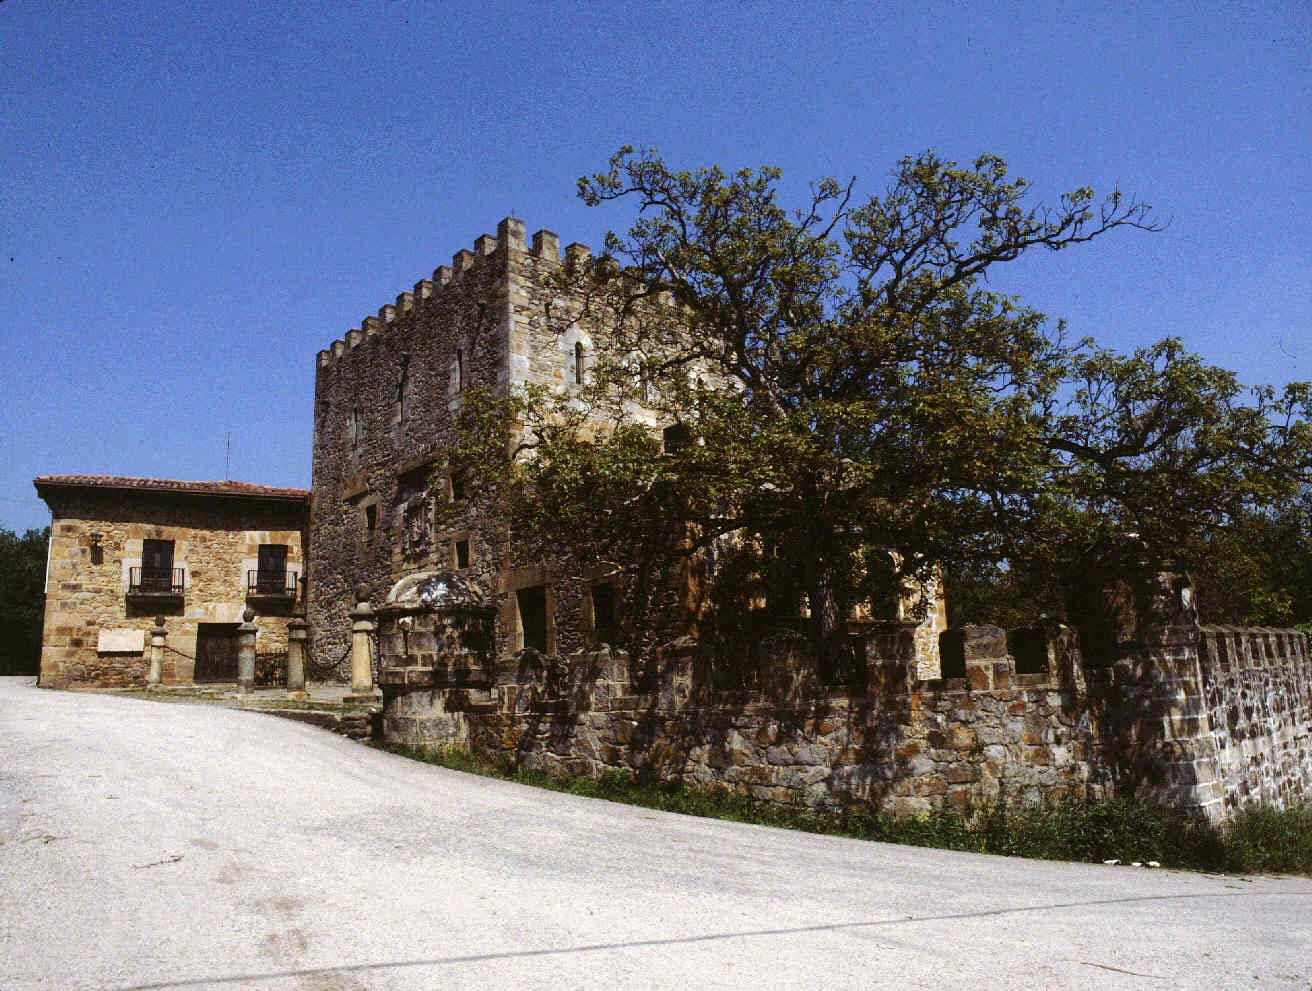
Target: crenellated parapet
489 252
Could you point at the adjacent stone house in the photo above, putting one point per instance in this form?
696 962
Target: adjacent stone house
126 551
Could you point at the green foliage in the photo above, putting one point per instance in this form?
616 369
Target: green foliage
1161 445
856 408
1258 571
1259 839
859 409
848 383
22 588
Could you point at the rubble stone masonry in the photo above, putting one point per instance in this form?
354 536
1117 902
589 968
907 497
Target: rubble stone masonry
1202 718
891 741
1257 692
387 501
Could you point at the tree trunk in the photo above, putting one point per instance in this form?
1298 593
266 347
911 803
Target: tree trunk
826 614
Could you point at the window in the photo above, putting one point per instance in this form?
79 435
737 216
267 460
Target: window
604 625
460 370
461 553
676 438
402 386
156 574
532 603
354 427
370 518
458 491
271 570
578 363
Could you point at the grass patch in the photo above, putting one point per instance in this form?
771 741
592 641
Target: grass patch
1259 839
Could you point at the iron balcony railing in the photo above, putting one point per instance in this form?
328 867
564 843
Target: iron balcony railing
271 584
158 582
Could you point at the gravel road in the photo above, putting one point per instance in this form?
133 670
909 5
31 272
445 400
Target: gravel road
146 845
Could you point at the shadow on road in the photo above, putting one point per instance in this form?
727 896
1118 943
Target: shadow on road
690 940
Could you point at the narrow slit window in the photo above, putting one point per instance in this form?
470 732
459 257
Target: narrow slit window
462 554
604 624
578 363
402 386
370 519
460 369
354 427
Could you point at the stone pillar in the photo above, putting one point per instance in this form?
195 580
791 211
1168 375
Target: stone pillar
246 653
1146 685
156 672
297 632
362 644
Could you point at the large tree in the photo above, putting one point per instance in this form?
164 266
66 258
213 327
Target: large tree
22 584
855 406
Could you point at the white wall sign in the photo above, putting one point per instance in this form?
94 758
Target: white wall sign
121 642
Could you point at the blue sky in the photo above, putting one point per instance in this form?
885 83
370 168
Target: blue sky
196 198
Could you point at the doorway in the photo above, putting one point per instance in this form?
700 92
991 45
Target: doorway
216 652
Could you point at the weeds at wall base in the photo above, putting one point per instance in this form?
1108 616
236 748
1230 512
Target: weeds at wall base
1259 838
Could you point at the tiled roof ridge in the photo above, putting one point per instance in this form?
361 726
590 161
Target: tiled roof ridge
235 488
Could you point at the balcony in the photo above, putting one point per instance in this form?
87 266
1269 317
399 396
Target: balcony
271 586
165 585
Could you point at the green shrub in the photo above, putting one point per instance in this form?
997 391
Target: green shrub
1263 838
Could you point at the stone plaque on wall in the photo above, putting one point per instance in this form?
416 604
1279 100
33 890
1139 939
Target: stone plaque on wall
121 642
417 527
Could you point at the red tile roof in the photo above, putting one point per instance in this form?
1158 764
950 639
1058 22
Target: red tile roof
171 485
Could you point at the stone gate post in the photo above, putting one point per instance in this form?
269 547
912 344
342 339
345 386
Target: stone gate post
297 632
362 646
246 653
156 672
1141 639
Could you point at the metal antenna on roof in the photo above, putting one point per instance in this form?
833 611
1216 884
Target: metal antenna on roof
227 458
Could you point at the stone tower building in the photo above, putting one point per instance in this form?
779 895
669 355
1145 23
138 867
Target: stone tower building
386 500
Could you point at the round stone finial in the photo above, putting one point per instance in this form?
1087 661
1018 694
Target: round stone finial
362 592
248 615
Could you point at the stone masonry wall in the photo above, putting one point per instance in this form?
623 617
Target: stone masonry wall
386 398
892 741
1257 687
216 541
380 446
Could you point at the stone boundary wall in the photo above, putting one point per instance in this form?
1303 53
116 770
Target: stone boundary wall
1149 705
1257 688
893 741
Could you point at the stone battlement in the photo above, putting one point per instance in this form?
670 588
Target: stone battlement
488 250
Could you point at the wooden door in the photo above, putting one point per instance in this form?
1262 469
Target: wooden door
216 652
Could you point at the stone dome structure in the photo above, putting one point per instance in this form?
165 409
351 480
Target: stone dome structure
440 591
